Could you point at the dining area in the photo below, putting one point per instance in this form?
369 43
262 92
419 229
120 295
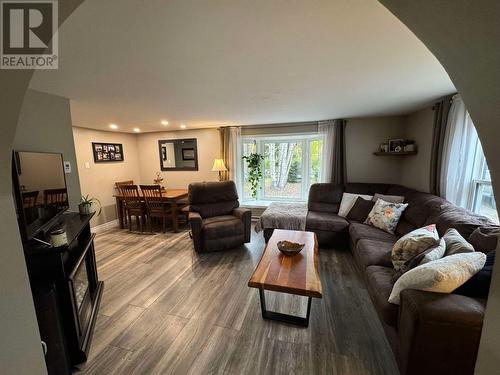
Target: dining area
150 207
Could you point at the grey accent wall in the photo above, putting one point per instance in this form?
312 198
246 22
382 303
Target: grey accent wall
363 137
45 125
415 172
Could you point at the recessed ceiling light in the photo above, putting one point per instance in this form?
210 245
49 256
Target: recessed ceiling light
183 126
164 122
137 130
113 126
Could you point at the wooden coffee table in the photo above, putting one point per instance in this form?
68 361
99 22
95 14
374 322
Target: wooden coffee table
296 275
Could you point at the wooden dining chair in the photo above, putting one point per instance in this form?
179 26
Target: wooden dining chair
122 206
134 205
156 206
183 209
30 199
56 197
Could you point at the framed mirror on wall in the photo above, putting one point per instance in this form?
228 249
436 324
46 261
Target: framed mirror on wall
178 154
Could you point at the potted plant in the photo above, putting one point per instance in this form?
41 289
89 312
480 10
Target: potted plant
254 162
85 206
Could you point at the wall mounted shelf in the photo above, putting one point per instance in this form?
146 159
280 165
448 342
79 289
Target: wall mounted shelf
402 153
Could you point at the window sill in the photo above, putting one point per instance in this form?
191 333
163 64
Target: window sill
265 203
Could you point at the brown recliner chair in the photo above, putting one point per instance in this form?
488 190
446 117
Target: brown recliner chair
217 222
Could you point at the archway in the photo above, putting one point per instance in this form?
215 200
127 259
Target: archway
451 29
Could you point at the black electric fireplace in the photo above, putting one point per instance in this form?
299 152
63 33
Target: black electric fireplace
66 292
66 289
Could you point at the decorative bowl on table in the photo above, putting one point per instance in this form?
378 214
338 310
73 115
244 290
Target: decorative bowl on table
290 248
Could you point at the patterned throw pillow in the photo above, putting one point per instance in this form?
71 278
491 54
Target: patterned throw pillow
442 276
385 215
413 243
455 243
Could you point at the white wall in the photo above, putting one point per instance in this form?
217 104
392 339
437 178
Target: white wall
208 143
141 163
363 137
99 179
45 125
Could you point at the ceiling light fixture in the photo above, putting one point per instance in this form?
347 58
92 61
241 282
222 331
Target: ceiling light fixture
137 130
164 122
183 126
113 126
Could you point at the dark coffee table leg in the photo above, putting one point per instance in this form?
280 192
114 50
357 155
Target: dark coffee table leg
284 318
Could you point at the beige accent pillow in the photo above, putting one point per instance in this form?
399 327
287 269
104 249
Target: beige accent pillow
412 244
437 252
455 243
348 201
443 275
389 198
385 215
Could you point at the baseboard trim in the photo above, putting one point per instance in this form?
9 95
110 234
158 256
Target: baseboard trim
102 227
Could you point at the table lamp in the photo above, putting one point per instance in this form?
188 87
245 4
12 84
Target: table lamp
219 167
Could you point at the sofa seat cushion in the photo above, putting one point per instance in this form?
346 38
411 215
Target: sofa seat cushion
219 227
358 231
373 253
325 221
379 281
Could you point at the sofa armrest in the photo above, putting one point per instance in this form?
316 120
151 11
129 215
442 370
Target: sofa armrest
196 223
438 332
245 215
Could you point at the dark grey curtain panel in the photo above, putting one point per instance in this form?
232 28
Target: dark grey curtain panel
339 171
441 110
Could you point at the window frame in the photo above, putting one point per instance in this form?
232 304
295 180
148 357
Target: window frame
305 140
479 180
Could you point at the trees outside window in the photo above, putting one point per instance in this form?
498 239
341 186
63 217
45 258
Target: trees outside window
291 164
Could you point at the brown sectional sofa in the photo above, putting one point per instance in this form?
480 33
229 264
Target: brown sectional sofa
430 333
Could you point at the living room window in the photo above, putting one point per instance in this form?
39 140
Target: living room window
482 200
291 164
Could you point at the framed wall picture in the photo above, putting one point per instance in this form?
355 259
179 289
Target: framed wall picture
396 145
188 153
107 152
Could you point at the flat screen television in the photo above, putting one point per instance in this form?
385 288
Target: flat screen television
40 190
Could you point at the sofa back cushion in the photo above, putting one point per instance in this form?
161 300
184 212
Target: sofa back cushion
366 188
485 238
421 207
325 197
213 198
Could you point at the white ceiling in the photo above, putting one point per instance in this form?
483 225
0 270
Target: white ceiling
210 63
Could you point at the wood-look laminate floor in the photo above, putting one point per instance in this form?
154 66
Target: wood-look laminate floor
168 310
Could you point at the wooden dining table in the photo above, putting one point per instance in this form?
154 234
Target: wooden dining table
171 197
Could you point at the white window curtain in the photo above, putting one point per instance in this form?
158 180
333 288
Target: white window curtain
327 130
460 145
234 155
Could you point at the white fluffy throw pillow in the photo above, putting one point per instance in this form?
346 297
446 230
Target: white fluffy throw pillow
413 243
348 201
437 252
443 275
